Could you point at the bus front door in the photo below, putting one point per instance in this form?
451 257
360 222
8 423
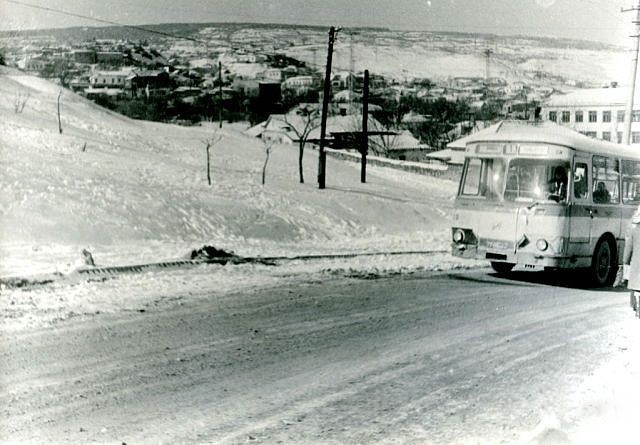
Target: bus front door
581 208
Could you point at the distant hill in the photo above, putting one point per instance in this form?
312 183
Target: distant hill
136 32
440 55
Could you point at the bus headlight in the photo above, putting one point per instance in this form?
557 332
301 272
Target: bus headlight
542 244
458 235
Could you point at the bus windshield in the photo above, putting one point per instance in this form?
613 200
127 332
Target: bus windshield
518 179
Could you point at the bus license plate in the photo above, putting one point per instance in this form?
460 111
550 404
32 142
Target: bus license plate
498 245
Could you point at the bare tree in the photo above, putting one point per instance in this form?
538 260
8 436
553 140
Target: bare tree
268 145
381 144
20 101
211 142
310 120
59 121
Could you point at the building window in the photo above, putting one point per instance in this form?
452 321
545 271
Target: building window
620 116
635 137
591 134
566 116
619 137
606 135
593 116
635 116
606 116
579 116
553 116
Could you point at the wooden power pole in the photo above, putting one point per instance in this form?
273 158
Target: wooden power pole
365 122
634 72
322 156
220 94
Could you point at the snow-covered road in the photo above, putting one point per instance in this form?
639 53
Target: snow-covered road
449 357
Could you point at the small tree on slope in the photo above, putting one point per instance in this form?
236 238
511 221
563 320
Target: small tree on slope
211 142
310 120
268 145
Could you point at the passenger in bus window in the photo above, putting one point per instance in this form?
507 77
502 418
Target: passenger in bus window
601 194
631 259
558 184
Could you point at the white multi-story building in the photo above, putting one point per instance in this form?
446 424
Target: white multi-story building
109 79
299 84
597 112
272 74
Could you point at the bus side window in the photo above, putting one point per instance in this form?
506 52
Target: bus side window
580 181
606 179
630 182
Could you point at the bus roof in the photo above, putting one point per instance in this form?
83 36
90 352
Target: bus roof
550 133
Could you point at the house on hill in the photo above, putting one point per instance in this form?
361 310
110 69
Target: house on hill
279 128
84 56
149 83
110 58
247 87
402 146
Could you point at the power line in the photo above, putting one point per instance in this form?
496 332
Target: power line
99 20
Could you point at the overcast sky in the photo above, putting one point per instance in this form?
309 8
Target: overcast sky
599 20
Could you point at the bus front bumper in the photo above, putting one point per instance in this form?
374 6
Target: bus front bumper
472 251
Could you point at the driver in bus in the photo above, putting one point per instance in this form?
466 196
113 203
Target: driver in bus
558 184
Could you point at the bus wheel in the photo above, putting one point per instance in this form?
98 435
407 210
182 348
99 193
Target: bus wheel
502 267
603 264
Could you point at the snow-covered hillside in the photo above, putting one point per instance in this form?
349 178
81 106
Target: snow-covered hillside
134 191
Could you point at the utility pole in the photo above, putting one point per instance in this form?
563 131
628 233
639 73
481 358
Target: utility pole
365 123
59 121
219 94
352 73
634 71
322 156
487 68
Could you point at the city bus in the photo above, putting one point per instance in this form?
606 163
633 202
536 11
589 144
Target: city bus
542 196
